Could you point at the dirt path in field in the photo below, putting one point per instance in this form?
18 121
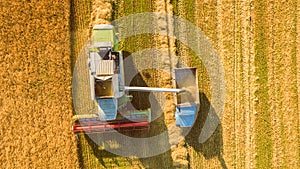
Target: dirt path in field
179 152
250 117
245 117
199 155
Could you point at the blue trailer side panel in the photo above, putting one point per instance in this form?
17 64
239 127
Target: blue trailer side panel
185 115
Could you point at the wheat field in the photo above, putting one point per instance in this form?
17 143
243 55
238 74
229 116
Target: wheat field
36 102
259 46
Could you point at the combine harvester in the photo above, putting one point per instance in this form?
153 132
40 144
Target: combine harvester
108 90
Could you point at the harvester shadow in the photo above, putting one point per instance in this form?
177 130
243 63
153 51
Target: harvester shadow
101 154
140 101
213 146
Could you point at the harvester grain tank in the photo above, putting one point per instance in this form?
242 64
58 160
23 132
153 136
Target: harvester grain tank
108 90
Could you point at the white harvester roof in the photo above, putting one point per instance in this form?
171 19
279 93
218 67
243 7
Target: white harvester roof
103 26
105 68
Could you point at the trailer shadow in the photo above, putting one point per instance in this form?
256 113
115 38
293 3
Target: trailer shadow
213 146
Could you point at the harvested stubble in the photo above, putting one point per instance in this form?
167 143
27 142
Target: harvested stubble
260 56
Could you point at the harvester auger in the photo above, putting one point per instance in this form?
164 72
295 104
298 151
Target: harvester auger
108 90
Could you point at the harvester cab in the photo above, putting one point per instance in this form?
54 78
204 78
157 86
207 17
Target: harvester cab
108 90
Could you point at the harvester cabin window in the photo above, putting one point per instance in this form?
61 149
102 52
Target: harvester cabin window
104 52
